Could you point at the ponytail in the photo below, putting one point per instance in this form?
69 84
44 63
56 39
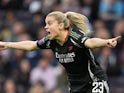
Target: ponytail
71 19
78 21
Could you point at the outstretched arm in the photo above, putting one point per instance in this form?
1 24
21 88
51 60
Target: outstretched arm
97 42
23 45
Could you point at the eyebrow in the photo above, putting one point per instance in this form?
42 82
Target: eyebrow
50 21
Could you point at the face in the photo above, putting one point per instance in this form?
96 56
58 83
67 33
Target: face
52 27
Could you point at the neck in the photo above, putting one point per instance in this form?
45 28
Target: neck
62 37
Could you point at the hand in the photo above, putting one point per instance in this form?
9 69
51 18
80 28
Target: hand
113 42
2 46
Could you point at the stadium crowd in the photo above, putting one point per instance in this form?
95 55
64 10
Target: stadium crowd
38 71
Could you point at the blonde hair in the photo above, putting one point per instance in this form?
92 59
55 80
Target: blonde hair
71 19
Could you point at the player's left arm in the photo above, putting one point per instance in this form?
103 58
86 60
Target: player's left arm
97 42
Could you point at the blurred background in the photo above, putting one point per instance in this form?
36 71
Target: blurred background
38 71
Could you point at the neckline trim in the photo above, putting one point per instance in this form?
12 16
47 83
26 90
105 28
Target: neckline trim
66 38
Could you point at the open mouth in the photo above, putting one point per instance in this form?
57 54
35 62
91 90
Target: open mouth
47 33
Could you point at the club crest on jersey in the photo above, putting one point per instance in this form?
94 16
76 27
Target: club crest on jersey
70 48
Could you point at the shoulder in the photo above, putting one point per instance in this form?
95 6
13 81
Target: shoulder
76 33
35 70
77 37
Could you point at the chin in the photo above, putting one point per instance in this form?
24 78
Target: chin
50 38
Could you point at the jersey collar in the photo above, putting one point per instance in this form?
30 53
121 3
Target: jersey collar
66 38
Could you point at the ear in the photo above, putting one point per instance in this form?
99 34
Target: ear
61 26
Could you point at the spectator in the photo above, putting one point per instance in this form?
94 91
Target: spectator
110 9
119 50
37 88
10 86
45 73
108 62
22 76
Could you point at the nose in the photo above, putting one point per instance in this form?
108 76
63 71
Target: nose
46 27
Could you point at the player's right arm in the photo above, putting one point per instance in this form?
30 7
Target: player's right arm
22 45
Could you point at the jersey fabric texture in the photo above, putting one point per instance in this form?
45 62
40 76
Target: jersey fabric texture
81 67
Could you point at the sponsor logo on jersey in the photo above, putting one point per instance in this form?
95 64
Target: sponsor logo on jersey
65 58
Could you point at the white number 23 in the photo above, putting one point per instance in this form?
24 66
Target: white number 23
98 87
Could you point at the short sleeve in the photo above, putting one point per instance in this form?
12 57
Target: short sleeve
82 40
